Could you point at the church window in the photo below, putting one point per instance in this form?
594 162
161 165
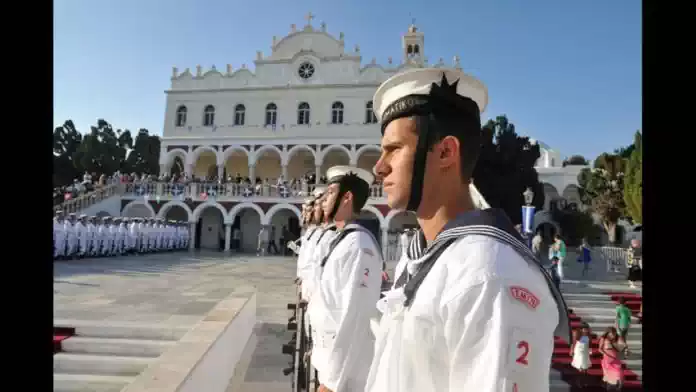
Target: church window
416 49
409 49
209 116
306 70
370 117
337 113
271 114
181 116
239 114
303 114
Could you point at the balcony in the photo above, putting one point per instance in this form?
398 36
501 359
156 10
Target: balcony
260 193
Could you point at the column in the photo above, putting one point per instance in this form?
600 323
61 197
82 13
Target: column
385 242
252 176
284 172
318 174
192 238
164 169
221 171
188 168
228 236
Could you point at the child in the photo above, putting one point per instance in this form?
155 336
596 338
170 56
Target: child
580 350
585 256
553 269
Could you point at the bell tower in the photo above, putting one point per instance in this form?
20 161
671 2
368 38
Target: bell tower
412 44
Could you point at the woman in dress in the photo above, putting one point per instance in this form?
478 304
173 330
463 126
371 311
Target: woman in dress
612 366
580 349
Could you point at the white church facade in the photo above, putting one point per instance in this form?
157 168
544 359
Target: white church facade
305 107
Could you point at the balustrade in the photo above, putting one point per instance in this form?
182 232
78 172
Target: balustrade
81 202
212 190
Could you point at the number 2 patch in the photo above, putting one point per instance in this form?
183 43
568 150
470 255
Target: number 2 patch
520 349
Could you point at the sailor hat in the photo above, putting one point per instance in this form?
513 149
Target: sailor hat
421 82
83 216
336 173
319 190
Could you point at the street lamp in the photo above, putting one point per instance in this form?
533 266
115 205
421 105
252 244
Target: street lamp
528 214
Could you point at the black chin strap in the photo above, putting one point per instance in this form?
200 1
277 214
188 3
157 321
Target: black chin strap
341 191
418 173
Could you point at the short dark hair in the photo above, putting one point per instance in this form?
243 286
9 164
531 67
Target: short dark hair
357 187
622 301
467 132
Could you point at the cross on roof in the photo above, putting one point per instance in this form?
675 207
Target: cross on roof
309 17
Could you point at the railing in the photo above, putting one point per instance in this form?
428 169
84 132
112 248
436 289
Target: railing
201 191
614 257
81 202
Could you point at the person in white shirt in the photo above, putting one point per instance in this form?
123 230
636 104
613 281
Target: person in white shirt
91 237
101 237
59 238
349 280
81 236
471 308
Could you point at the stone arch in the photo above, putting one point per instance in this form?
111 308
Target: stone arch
571 193
391 214
231 149
133 203
270 165
102 214
167 206
235 210
172 154
197 212
542 217
300 147
195 154
361 150
377 213
334 147
267 218
550 194
266 147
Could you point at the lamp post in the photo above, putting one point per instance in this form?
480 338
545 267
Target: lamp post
528 215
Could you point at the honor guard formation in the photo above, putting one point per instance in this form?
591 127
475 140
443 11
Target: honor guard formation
470 309
91 236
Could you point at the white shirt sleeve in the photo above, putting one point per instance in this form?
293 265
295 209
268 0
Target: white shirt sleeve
499 343
359 291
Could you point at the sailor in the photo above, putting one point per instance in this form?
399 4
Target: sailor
70 238
310 256
91 232
59 240
142 239
342 304
471 309
101 237
133 235
81 235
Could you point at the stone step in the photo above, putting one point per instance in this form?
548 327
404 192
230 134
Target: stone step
97 329
116 346
584 303
63 382
99 364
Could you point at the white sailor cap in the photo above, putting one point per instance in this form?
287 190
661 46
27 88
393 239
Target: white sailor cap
83 216
319 190
421 81
335 174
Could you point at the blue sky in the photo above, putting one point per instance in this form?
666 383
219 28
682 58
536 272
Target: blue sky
565 72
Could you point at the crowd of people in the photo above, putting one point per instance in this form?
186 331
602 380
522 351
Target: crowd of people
91 236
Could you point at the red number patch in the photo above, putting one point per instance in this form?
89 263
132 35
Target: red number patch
524 346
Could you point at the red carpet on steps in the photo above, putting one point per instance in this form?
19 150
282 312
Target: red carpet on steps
60 334
562 358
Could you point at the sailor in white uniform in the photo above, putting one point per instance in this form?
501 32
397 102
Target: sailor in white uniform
91 236
101 237
70 237
59 240
349 282
81 236
308 255
473 310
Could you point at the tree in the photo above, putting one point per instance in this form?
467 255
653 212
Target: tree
602 189
633 183
102 151
66 142
144 158
576 160
506 168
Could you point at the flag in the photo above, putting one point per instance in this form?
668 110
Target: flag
284 192
527 218
248 192
204 196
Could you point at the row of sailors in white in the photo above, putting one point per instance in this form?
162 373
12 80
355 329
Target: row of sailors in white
470 309
90 236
